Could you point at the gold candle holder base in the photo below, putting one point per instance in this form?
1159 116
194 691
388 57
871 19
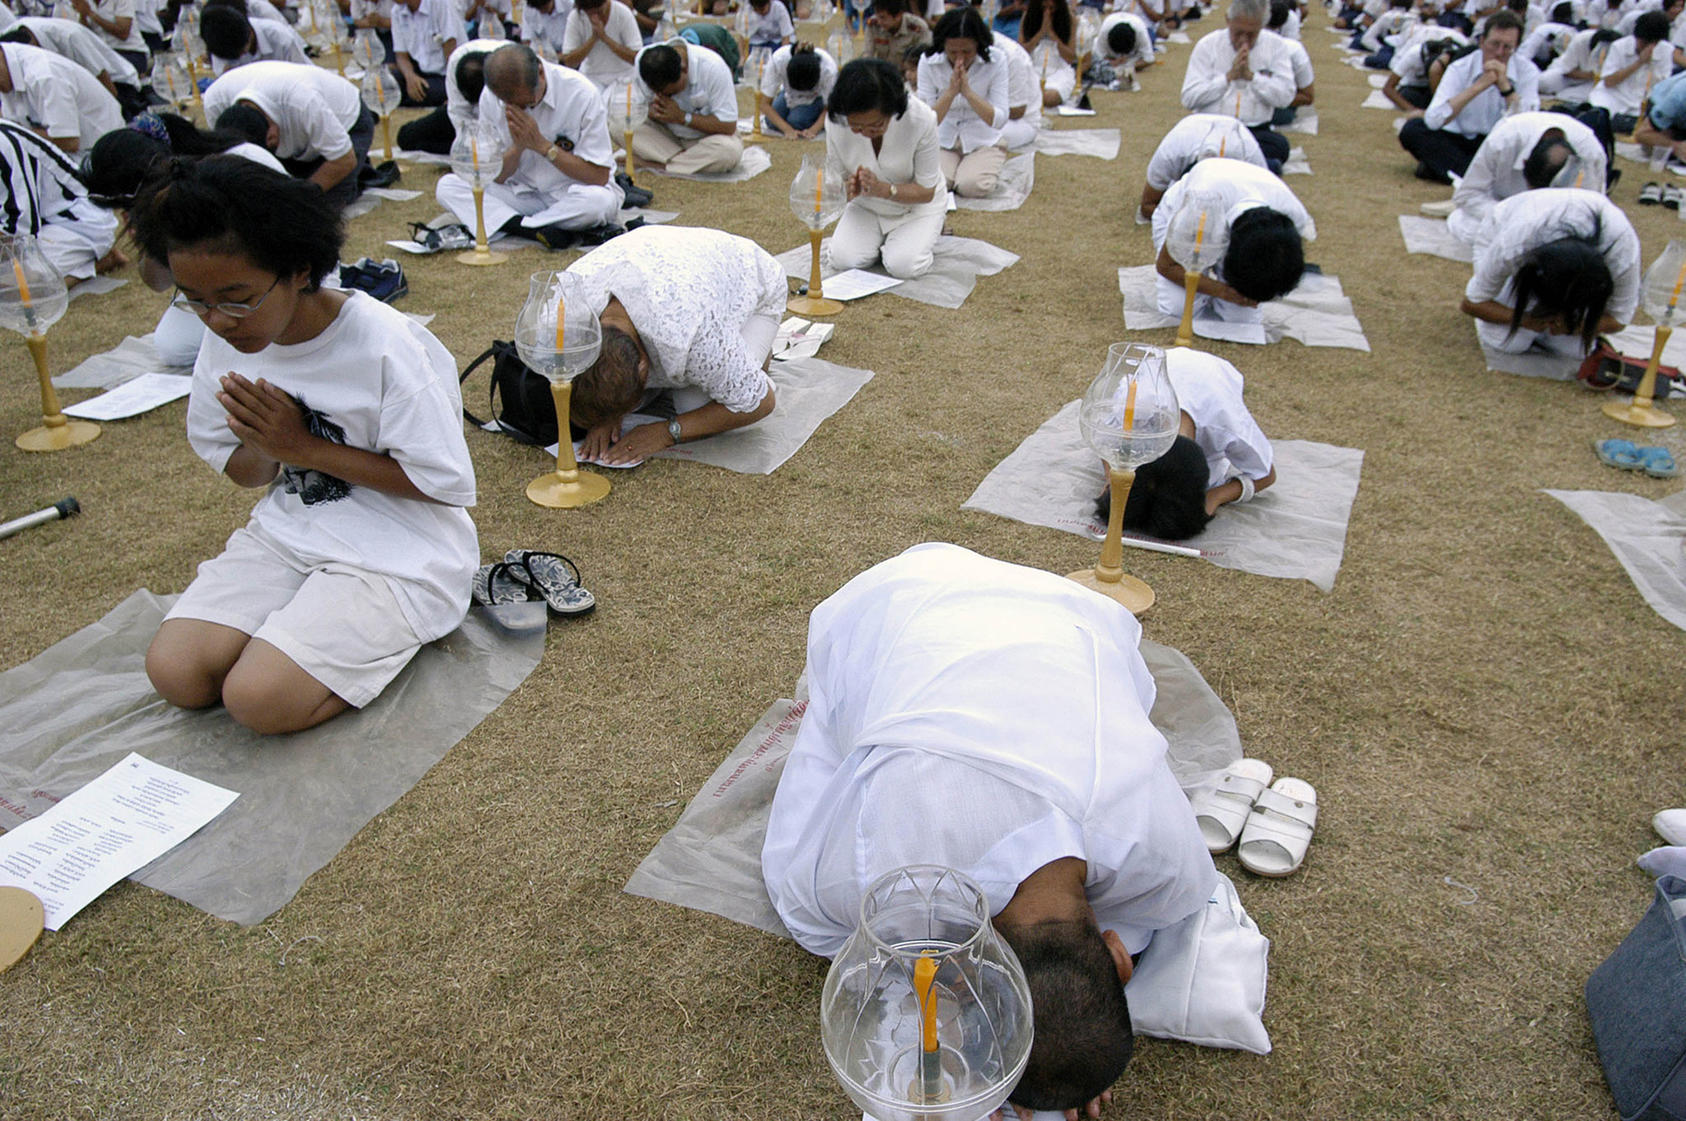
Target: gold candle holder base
1135 595
22 919
1640 416
57 431
481 257
1185 329
814 303
567 487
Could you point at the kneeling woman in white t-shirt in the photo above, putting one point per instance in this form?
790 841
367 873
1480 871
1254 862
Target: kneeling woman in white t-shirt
354 557
888 158
1220 454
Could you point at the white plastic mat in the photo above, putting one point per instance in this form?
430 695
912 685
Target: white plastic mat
84 703
1295 529
1317 313
126 361
956 264
1102 143
1433 237
1018 176
1648 537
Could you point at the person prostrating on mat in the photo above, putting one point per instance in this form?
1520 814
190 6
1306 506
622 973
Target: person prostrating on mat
347 415
1220 454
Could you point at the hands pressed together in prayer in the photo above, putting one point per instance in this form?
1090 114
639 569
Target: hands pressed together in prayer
266 419
524 131
1241 69
666 110
957 80
863 182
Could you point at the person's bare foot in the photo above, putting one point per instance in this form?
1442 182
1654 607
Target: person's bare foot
112 261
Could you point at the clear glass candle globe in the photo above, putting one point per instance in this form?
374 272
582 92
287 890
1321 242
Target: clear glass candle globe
1088 30
840 47
380 90
490 26
367 50
170 81
1663 291
32 292
816 197
1222 140
628 105
872 1021
557 355
1197 235
477 152
1130 414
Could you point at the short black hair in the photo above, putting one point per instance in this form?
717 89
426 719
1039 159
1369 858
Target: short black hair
19 34
124 158
1121 38
865 84
659 66
890 7
1546 159
284 225
1168 498
1566 279
237 5
1266 257
227 33
962 23
1563 13
802 72
471 75
610 387
1083 1038
1652 27
245 121
1279 13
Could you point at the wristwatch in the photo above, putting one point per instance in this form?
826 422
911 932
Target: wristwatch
688 115
552 152
892 192
673 429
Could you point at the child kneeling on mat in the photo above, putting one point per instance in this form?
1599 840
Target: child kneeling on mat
349 414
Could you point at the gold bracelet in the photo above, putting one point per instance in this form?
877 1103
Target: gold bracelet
551 153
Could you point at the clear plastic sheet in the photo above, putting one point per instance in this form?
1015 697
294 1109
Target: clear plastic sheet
1295 530
1435 238
957 262
1648 537
1317 313
1102 143
84 703
1018 176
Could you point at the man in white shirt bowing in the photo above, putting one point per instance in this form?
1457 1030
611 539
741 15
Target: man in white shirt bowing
993 719
87 50
1474 94
1246 72
55 97
693 125
233 39
424 34
557 182
1635 64
601 41
313 120
1525 151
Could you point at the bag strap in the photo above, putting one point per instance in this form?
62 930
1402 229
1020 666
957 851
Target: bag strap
466 374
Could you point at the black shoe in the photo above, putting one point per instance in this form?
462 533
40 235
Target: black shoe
1426 172
597 235
636 196
554 237
384 174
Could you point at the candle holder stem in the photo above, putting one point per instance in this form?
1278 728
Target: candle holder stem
1641 412
756 136
480 254
629 176
814 303
386 136
57 431
1191 288
1107 577
567 487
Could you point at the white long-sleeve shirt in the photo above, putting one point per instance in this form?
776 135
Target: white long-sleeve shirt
1196 137
82 47
1488 107
1529 220
1207 87
572 108
275 41
962 127
988 717
708 91
1495 173
1626 96
313 109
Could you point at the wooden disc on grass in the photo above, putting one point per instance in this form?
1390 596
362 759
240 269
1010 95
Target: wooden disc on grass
21 919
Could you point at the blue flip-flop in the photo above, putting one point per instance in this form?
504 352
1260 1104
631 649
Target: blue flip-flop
1622 454
1657 463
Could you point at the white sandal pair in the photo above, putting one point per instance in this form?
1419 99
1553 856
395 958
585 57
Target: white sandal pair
1272 821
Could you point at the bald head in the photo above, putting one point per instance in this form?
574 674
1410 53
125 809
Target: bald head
512 73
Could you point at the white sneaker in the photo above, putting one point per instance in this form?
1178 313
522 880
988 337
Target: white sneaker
1440 209
1670 826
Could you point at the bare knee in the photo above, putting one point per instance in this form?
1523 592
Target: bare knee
272 707
180 677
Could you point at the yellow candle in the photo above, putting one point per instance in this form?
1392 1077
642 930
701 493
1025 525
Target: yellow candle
561 325
819 186
1223 142
1675 295
1200 232
629 106
23 283
924 975
474 151
1238 106
1130 406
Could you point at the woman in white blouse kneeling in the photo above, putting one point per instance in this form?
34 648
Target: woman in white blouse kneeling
888 159
966 83
689 311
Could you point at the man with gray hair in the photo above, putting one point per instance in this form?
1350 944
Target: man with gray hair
1246 72
557 182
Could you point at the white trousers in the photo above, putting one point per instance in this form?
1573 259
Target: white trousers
75 240
177 336
714 152
903 242
1022 132
575 207
1171 297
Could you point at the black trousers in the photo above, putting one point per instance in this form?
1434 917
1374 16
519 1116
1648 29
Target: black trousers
1273 144
432 132
1440 153
435 88
345 192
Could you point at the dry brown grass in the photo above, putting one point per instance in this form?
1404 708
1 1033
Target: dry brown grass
1483 697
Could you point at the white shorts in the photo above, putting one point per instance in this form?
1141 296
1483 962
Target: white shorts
340 624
